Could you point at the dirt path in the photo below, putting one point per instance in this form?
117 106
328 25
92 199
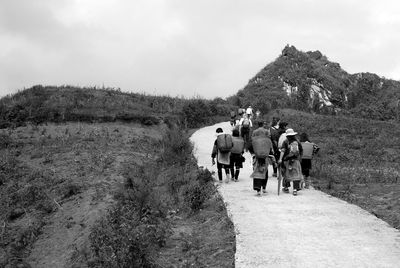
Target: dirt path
309 230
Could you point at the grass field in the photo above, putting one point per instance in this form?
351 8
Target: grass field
359 160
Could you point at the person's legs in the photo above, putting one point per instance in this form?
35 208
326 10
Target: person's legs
246 139
257 185
285 182
275 167
296 187
306 174
237 173
228 176
265 181
219 171
305 170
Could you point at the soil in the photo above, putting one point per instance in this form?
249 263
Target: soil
85 162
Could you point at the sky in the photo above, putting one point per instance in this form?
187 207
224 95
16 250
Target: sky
186 48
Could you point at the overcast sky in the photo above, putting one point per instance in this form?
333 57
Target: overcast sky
204 48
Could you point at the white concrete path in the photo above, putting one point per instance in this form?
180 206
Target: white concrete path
312 229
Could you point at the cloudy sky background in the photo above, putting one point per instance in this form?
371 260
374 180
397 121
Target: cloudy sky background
187 48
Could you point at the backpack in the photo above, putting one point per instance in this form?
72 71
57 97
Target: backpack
238 145
294 149
261 146
274 134
308 150
224 143
246 123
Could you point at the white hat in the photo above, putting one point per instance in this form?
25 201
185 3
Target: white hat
290 132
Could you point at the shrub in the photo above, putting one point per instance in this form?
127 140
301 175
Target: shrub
123 239
196 112
196 194
5 140
177 148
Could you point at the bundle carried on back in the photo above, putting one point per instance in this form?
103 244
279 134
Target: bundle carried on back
238 145
261 146
224 143
308 150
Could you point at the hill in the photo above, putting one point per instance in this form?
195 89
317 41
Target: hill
99 178
57 104
308 81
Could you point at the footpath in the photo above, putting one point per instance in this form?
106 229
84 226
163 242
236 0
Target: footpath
311 229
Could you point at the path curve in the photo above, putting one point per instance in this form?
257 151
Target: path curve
312 229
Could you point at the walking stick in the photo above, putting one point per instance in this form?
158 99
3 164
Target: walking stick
279 178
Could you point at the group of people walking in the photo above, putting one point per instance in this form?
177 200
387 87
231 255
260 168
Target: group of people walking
278 145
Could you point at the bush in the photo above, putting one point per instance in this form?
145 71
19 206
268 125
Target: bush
196 112
196 194
5 141
124 239
177 148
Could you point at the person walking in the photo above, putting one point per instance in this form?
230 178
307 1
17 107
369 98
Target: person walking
249 112
283 126
236 158
289 160
222 156
261 149
309 150
275 133
245 127
233 119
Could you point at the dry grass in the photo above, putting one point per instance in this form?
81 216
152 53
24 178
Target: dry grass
358 160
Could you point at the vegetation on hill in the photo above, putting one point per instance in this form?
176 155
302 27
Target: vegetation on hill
308 81
116 157
359 159
41 104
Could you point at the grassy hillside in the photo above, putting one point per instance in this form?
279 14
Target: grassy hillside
41 104
81 167
359 160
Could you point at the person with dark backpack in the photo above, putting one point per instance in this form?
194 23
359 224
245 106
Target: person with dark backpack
222 151
237 158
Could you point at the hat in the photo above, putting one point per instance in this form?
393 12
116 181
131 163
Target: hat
219 130
290 132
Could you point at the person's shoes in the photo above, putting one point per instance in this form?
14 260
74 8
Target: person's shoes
294 192
220 181
264 191
258 193
285 190
236 180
